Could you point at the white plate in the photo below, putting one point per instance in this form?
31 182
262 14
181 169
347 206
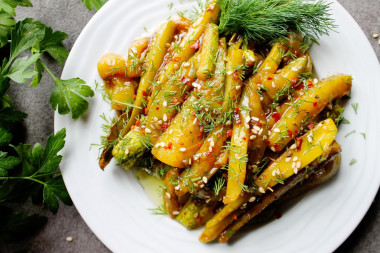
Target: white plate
115 206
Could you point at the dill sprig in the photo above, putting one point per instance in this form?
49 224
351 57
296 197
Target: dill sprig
264 20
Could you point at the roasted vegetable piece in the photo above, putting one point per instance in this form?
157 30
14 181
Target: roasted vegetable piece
309 147
170 199
277 85
196 213
156 52
111 65
318 174
306 107
188 46
121 91
157 120
208 52
135 57
185 133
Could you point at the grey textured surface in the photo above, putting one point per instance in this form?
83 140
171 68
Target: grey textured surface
71 16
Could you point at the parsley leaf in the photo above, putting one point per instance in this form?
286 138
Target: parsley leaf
97 4
6 24
19 72
9 6
68 94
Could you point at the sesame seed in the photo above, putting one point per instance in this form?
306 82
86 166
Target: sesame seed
294 146
287 159
293 165
375 35
212 143
213 170
168 195
238 87
265 137
261 131
175 213
170 131
176 65
189 161
159 122
298 164
196 157
165 118
186 64
202 185
182 149
69 239
257 128
208 201
155 119
195 120
273 149
167 45
195 215
269 132
315 80
210 148
295 170
126 151
324 128
276 130
252 137
196 85
247 119
148 131
255 119
229 73
295 158
204 179
228 122
251 199
261 98
261 189
254 131
195 185
152 126
165 103
273 85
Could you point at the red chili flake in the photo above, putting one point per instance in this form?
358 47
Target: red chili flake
146 111
195 45
184 213
276 116
299 141
211 163
259 124
315 104
199 145
170 145
157 108
237 109
310 125
290 133
229 133
174 101
209 9
294 80
138 122
310 84
185 80
244 138
144 93
181 143
270 78
208 153
251 63
220 102
296 53
236 75
200 136
199 219
164 126
176 59
134 96
234 216
267 142
132 127
276 146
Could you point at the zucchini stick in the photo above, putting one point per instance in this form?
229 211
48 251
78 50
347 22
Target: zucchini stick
188 45
156 52
208 52
135 53
307 107
196 213
157 121
186 131
171 201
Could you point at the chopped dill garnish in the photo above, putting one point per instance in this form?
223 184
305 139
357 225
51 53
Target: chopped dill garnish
265 20
352 132
218 185
160 210
355 107
353 161
364 136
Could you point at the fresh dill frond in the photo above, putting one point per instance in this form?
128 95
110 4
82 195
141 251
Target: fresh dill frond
265 20
218 185
160 210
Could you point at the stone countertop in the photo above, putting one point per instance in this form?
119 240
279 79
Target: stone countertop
71 16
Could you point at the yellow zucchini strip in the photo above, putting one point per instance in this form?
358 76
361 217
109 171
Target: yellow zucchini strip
135 60
208 52
188 46
156 52
306 107
185 133
313 144
171 201
277 85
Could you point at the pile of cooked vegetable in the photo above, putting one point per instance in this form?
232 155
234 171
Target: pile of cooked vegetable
232 120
